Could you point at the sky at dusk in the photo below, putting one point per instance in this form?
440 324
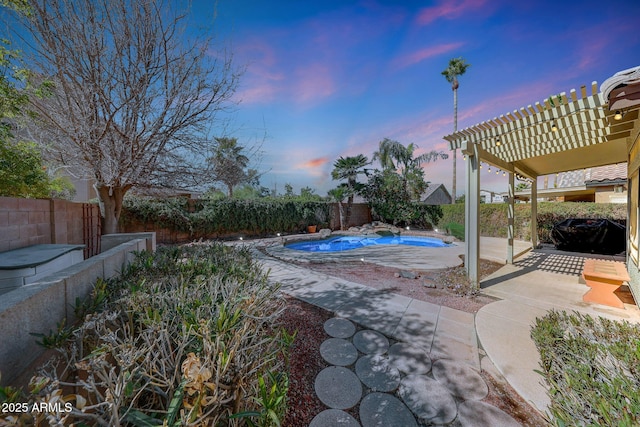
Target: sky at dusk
332 78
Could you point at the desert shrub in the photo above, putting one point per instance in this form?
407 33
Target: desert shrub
187 337
592 368
455 229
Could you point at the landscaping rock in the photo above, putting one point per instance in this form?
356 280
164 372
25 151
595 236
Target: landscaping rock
332 418
354 229
339 328
460 379
428 284
428 399
376 372
406 274
371 342
325 232
338 351
473 413
409 359
448 239
338 387
384 410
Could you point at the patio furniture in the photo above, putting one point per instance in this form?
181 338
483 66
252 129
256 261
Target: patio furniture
604 278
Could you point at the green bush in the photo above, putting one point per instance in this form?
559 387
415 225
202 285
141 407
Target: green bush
186 336
493 217
206 217
592 368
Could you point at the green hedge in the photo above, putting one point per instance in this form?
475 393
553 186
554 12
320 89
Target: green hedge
493 217
206 217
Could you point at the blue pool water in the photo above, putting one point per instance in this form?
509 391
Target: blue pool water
345 243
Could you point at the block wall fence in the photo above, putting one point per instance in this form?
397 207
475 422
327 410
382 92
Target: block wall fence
26 222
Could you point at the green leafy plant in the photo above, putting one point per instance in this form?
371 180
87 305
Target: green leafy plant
592 368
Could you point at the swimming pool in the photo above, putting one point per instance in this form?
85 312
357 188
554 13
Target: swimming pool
346 243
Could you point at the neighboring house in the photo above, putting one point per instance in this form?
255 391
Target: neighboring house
487 196
436 194
604 184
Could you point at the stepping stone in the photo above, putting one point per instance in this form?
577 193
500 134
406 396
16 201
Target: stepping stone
371 342
338 387
332 418
473 413
428 399
409 359
339 328
384 410
337 351
460 379
376 372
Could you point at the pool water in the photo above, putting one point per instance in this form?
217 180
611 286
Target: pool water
346 243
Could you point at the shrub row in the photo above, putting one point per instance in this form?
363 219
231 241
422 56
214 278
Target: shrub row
493 217
186 336
206 217
592 368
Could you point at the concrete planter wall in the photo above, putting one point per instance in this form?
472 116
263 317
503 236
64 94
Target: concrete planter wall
36 308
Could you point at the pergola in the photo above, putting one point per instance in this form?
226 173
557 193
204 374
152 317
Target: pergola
562 133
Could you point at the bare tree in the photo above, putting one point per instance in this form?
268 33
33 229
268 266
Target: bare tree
133 95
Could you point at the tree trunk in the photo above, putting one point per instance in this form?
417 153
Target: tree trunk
348 214
111 206
342 219
455 129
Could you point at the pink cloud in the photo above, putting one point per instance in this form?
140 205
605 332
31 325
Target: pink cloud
316 163
449 9
312 82
426 53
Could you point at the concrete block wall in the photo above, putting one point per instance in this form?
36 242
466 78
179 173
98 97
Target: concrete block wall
24 222
38 307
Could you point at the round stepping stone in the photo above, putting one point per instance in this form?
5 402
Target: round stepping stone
428 399
338 387
376 372
409 359
337 351
332 418
460 379
339 328
384 410
371 342
473 413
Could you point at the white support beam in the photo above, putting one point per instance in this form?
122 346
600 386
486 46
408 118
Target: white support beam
472 218
510 219
534 213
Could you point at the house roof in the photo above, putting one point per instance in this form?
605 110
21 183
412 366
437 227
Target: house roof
432 188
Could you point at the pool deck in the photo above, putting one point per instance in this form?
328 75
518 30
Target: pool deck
496 339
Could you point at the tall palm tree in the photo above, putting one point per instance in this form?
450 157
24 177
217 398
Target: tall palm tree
456 68
348 168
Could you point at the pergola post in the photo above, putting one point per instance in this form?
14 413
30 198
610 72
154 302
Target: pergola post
534 213
510 218
472 218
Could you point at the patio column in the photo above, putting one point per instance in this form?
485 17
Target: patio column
534 213
472 218
510 218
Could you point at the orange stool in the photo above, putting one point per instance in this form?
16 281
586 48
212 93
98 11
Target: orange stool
604 278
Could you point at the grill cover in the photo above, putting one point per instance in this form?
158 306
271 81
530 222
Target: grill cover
600 236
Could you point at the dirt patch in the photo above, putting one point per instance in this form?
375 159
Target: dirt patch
448 287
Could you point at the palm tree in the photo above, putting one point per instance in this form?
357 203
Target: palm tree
337 195
395 156
229 164
348 168
456 68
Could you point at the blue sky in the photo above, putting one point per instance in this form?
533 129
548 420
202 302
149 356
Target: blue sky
332 78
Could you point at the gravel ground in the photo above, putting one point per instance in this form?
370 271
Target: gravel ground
443 287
